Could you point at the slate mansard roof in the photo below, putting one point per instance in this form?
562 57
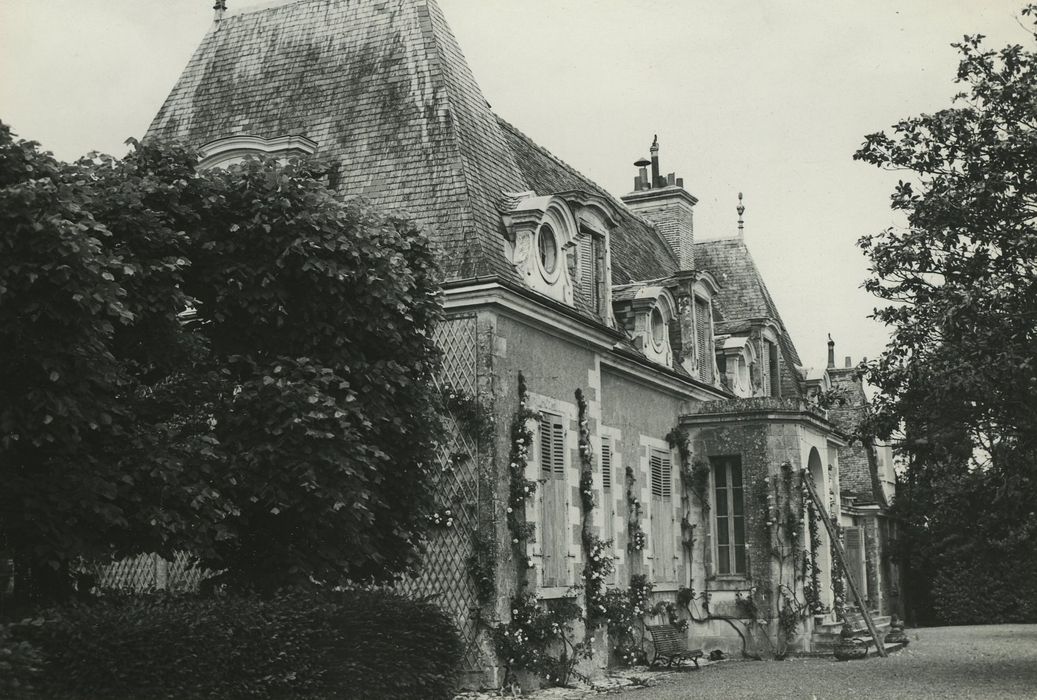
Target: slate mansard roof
743 294
383 88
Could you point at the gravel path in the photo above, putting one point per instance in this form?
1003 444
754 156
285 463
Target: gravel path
995 661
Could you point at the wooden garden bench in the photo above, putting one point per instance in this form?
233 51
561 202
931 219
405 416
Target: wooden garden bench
672 645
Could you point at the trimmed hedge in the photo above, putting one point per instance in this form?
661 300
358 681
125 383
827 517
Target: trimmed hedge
356 644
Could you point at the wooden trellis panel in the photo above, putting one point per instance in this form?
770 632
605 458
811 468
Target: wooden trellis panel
444 572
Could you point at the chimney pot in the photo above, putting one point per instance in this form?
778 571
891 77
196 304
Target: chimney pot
680 182
656 179
831 352
849 361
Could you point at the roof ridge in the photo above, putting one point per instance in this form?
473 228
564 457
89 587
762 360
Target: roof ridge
260 7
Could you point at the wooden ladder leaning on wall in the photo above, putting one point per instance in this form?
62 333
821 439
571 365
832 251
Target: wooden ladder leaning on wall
840 556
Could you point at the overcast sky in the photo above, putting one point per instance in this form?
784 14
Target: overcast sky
765 97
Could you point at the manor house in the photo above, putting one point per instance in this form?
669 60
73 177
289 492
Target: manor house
688 454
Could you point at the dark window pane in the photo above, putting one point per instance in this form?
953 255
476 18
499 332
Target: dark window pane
736 498
723 537
736 473
723 560
740 560
721 502
720 475
739 525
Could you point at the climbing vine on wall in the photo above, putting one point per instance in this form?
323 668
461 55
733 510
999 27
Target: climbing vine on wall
468 413
783 507
811 568
520 489
482 566
540 639
596 553
637 540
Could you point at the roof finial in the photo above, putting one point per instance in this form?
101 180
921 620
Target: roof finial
741 210
220 6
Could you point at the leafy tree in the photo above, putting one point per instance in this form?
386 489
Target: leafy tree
962 274
235 363
958 380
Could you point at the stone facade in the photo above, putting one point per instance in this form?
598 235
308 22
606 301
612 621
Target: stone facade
554 278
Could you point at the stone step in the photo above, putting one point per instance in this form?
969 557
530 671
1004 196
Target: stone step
881 623
828 650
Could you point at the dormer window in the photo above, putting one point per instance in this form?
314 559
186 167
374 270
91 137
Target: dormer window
735 355
234 149
646 313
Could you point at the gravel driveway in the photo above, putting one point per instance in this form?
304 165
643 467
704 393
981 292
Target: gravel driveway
994 661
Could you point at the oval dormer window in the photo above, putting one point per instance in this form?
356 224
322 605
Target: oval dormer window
658 328
547 247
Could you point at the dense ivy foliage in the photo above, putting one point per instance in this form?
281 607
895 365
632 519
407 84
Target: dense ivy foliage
300 644
235 363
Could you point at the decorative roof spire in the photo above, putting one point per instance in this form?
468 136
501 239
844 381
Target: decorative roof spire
220 6
741 210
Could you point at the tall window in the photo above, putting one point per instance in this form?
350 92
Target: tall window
730 515
664 550
555 512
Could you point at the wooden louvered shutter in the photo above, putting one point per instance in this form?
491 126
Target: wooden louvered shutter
663 549
854 541
555 511
773 371
704 339
588 284
608 499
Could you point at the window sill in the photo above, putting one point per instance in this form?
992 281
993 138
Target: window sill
666 587
555 592
733 582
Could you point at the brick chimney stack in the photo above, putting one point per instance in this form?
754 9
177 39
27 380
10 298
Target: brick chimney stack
665 202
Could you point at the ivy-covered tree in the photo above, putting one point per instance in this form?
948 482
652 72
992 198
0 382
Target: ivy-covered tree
958 380
234 362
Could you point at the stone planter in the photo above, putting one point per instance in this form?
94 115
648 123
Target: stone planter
848 649
896 632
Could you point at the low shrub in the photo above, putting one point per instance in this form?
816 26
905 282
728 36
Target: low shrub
20 664
299 644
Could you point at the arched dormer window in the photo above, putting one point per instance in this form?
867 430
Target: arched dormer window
735 356
234 149
647 312
542 234
559 245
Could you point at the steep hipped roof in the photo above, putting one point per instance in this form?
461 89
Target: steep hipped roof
743 294
638 251
384 89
